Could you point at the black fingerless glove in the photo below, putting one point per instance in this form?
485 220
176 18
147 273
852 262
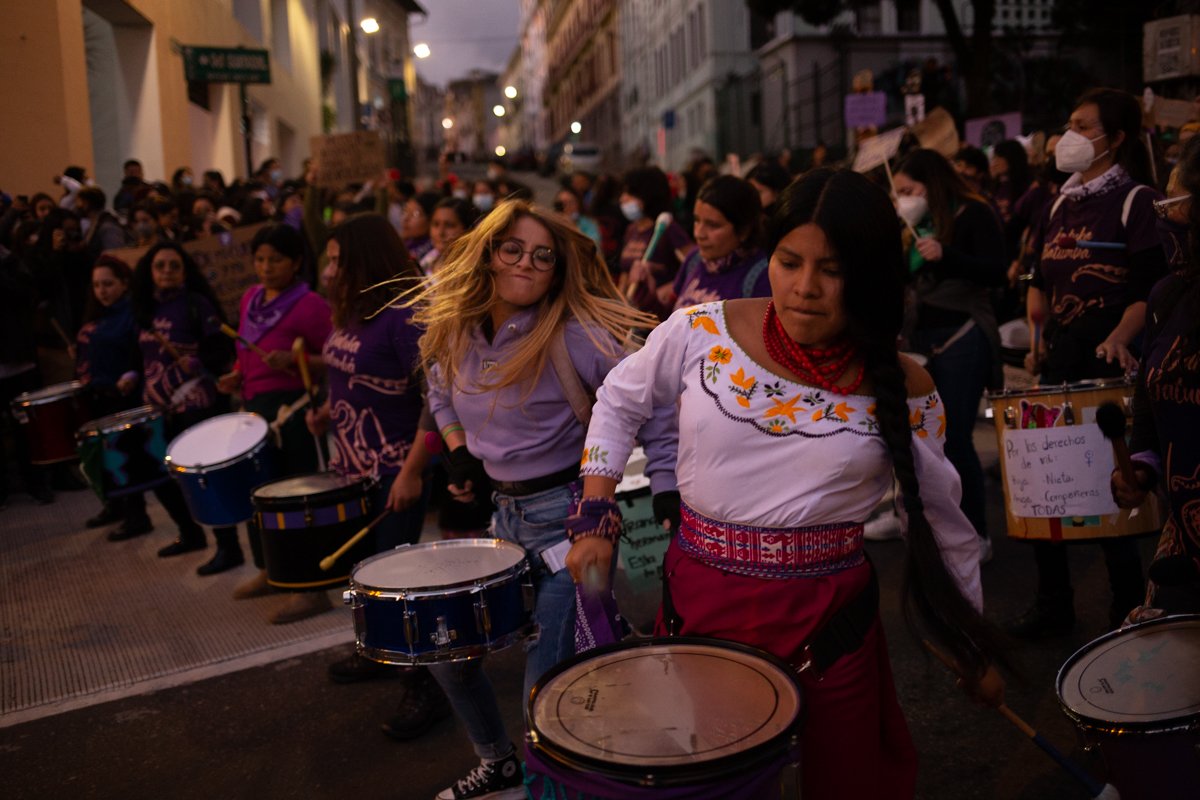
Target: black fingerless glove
461 467
666 508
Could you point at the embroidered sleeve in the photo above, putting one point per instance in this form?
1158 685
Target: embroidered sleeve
645 385
941 491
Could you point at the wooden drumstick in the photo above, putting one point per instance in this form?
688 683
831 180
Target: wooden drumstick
251 346
1111 420
328 562
301 356
1103 792
165 343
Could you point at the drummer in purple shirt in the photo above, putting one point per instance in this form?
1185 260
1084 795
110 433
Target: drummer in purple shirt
521 284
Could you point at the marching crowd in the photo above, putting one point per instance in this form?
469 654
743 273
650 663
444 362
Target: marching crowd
790 349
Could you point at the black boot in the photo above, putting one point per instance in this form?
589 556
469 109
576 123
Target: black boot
191 537
131 527
423 705
1051 615
228 555
108 515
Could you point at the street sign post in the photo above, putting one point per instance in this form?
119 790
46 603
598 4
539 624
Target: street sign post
240 65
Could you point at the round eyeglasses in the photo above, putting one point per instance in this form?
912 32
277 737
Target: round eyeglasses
510 252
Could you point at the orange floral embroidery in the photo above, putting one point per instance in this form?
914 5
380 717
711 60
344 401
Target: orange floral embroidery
941 426
843 412
917 421
782 409
720 355
739 379
704 321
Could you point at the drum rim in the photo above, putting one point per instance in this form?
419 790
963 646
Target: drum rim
129 417
196 469
677 774
1151 727
27 399
449 655
1067 387
357 487
417 592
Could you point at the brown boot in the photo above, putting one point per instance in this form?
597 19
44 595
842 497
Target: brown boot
301 605
255 586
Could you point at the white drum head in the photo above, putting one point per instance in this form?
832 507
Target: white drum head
666 705
304 485
1147 674
217 440
437 564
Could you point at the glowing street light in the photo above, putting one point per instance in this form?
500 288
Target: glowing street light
370 25
500 151
498 110
421 50
576 127
510 92
447 123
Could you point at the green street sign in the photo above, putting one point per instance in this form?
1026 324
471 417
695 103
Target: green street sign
226 65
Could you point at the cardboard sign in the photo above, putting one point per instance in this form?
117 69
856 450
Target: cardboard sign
1169 113
991 131
875 150
938 132
644 545
1059 471
865 110
344 158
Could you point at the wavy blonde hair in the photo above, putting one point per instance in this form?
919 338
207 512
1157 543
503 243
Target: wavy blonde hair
462 296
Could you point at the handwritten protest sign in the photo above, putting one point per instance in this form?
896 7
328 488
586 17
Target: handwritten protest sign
1059 472
875 150
938 132
645 543
344 158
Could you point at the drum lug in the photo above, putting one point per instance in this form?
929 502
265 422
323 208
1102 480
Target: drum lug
483 617
348 597
308 517
202 482
443 636
1068 413
411 628
1010 417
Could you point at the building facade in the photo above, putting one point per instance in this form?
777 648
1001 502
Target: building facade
474 129
583 75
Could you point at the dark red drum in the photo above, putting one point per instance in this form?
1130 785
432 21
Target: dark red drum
52 415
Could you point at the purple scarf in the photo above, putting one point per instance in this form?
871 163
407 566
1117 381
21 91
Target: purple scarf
261 317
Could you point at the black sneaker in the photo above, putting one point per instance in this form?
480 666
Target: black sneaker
491 780
423 706
107 516
359 668
129 529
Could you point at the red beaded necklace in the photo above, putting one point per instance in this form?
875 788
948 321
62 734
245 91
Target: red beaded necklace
816 366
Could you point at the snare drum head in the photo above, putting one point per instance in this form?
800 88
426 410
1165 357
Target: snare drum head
49 393
1143 676
316 483
438 564
121 419
666 705
217 440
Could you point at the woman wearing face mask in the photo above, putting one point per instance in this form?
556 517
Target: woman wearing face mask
1087 306
727 263
414 228
179 335
274 314
955 262
645 196
145 224
182 180
452 217
107 361
567 203
483 195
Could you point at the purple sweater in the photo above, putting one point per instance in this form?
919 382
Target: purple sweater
182 319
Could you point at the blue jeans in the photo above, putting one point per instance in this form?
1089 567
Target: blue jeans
535 522
961 374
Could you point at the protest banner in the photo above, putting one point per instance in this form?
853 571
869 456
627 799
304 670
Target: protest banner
865 110
991 131
875 150
344 158
938 132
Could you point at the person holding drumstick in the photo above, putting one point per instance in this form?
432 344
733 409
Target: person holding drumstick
522 283
108 362
276 313
1097 255
179 333
645 196
794 413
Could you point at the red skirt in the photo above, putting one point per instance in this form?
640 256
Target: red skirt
855 743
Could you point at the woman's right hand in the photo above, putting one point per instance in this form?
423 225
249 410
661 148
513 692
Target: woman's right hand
589 560
1127 496
317 419
230 382
1034 360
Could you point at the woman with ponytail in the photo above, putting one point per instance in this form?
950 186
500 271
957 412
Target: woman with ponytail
794 413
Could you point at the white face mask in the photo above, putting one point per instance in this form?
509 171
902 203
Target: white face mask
911 209
483 202
1075 153
396 216
632 210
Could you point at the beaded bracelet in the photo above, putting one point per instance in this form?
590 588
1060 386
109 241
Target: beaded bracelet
453 427
595 516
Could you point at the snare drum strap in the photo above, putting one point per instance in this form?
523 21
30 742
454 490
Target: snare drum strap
846 630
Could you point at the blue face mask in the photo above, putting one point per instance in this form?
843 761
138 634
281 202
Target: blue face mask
632 209
186 180
277 175
483 202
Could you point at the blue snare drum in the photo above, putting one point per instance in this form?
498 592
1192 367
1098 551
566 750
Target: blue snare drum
441 601
218 463
123 453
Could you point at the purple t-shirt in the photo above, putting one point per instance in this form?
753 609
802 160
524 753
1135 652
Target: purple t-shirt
374 394
182 319
1081 280
701 281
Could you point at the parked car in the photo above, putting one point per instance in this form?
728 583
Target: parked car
579 156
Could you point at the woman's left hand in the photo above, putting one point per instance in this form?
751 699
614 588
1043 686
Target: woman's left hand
280 359
1111 349
929 248
589 556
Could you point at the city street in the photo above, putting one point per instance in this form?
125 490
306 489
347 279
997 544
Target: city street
282 729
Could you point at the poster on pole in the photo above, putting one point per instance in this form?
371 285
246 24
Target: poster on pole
865 110
991 131
875 150
344 158
938 132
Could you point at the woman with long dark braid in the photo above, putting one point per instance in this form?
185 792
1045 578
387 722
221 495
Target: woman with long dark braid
794 412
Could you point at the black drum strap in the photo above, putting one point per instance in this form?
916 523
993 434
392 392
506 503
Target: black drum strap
671 620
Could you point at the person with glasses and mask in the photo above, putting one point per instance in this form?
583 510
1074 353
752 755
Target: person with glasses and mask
523 283
1097 256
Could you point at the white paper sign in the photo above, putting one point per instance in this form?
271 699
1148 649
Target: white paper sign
1059 472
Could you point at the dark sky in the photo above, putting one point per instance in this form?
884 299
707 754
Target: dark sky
465 34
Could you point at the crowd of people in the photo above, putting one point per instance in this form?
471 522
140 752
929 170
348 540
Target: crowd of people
844 321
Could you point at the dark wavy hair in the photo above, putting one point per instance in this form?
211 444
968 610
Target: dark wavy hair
1019 176
861 224
738 202
142 288
650 185
945 189
1121 111
120 271
291 243
370 253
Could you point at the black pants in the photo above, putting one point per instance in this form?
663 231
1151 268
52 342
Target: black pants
35 478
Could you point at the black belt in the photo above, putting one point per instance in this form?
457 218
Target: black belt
535 485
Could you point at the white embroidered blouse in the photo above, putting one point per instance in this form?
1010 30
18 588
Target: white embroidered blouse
756 448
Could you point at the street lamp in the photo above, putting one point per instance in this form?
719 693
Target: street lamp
498 110
421 50
500 151
447 123
370 25
510 92
576 127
